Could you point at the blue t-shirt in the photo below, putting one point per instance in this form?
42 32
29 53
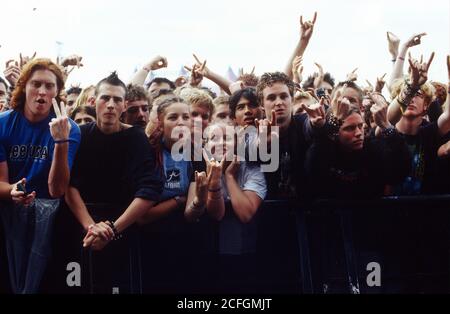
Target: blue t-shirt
177 176
28 149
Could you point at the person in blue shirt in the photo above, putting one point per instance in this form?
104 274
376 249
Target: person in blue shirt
173 118
169 241
38 143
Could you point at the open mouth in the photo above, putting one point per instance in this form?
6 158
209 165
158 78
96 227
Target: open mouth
249 120
40 101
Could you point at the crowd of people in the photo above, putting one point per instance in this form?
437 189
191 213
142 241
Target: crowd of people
172 163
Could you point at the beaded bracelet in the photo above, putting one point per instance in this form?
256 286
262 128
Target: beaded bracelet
335 124
388 132
334 121
116 235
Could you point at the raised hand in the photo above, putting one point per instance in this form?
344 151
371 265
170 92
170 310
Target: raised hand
318 80
236 86
20 197
380 83
394 43
156 63
12 72
180 81
213 170
73 60
201 187
297 69
60 126
242 73
316 112
352 76
419 71
340 105
369 88
196 74
202 69
25 59
379 110
307 28
265 126
414 40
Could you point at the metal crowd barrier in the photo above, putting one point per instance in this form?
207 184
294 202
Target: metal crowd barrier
324 247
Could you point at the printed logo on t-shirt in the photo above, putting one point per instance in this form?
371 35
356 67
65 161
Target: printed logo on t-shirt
173 179
22 152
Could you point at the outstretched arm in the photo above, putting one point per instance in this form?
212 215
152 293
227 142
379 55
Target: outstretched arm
201 69
397 72
306 30
156 63
418 77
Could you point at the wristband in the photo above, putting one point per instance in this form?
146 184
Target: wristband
61 141
388 132
116 235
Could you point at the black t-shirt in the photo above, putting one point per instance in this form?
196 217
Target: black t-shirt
287 181
115 168
424 174
334 173
441 183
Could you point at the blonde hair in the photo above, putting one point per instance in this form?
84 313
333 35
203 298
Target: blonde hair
197 97
83 97
427 89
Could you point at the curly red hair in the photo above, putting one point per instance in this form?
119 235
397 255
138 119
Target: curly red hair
18 95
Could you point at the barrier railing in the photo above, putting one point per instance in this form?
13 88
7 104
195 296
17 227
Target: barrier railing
388 245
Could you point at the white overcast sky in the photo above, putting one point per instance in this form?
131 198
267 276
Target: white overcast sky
122 35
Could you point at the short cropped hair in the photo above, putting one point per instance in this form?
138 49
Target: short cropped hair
270 78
